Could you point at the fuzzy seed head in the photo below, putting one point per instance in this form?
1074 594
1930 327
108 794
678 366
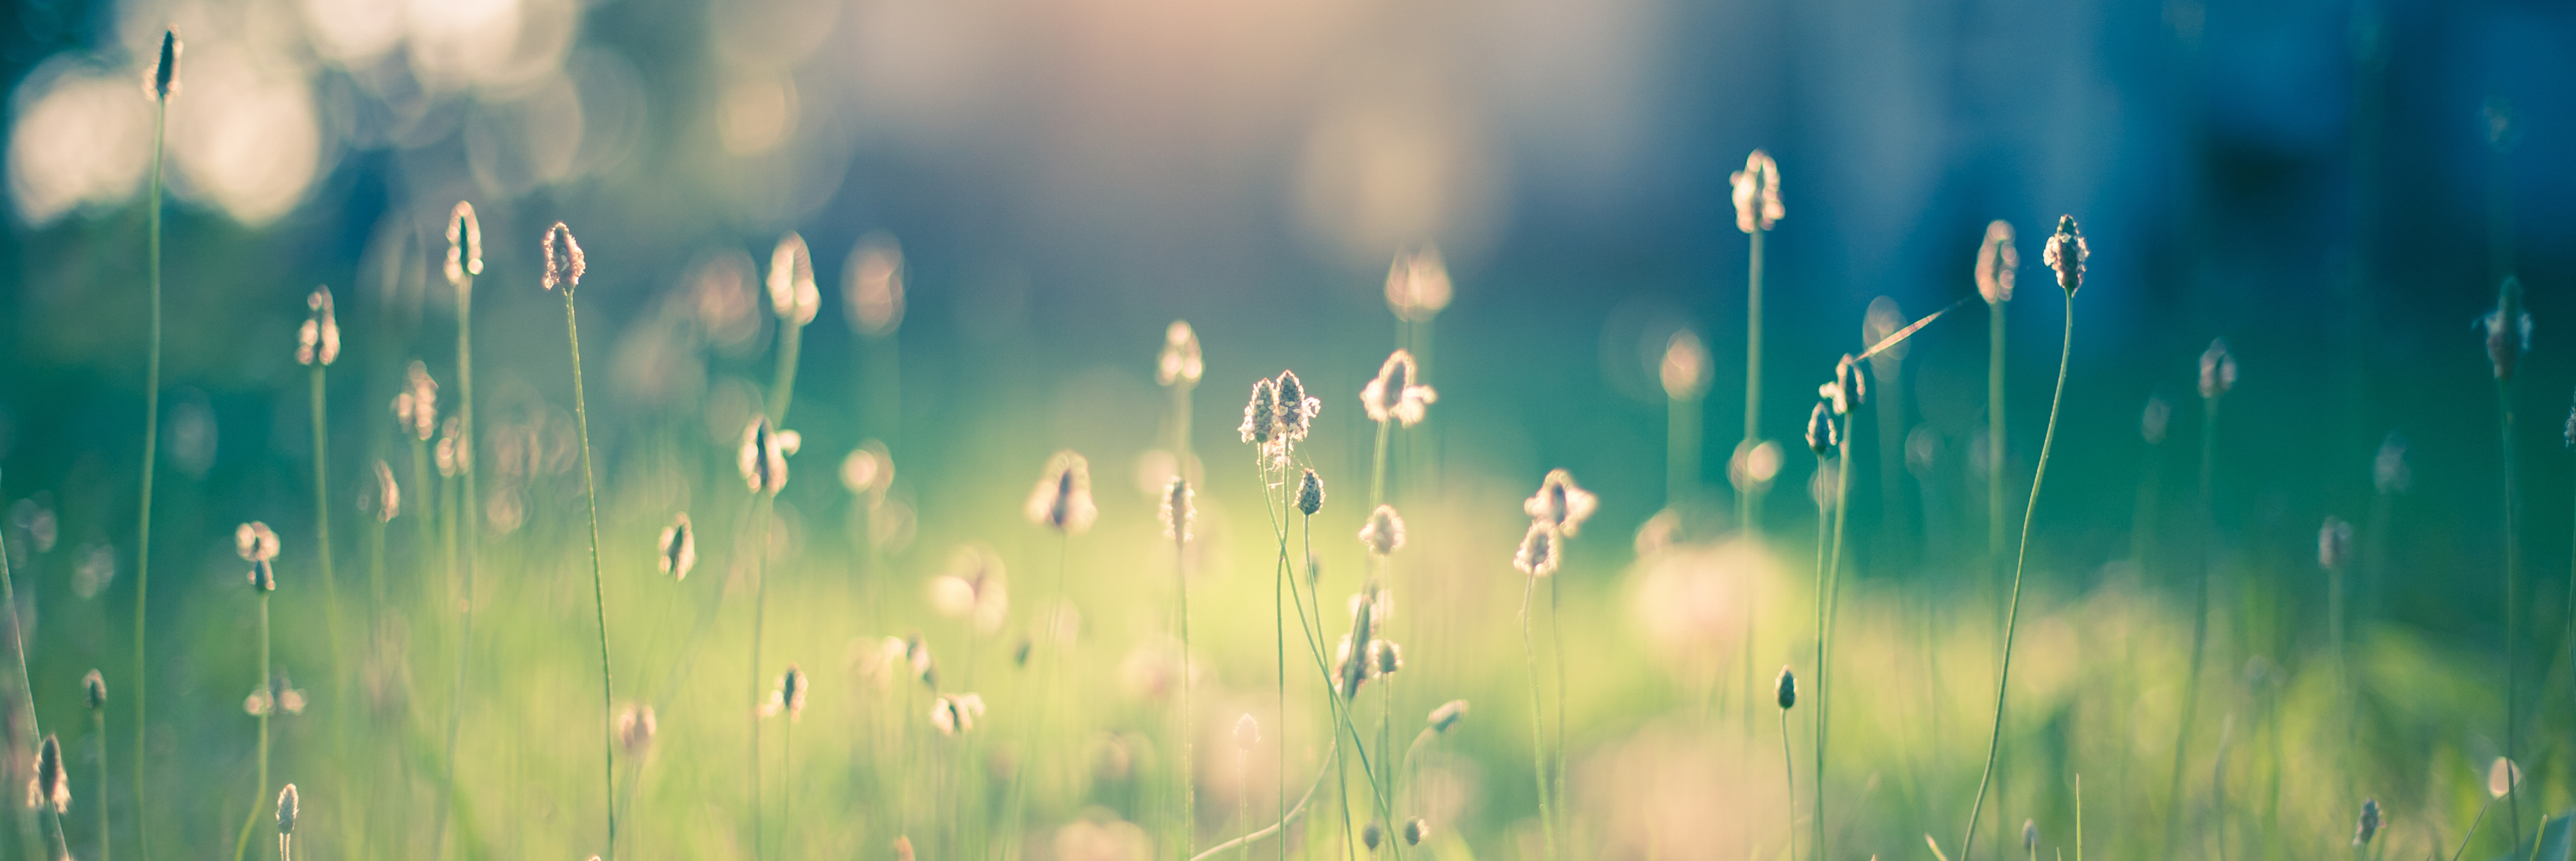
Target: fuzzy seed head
1396 393
2066 253
2334 544
1538 555
2217 370
563 259
1062 498
1385 657
417 406
94 686
2388 470
385 501
957 714
2508 329
464 246
1384 532
257 546
2368 826
635 729
165 74
1179 364
873 286
2153 421
1247 733
1561 503
1757 193
52 784
678 547
792 295
1448 715
1998 262
319 339
453 455
763 459
789 697
1416 831
1310 493
1296 409
287 803
1823 436
1685 368
1417 285
1177 511
1786 692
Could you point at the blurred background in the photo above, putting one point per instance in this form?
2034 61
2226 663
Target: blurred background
2335 188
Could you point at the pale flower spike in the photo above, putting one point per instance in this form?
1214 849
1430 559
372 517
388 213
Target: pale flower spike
1180 363
873 285
319 339
1062 498
1296 410
792 295
1537 556
1685 368
464 245
1394 394
1757 193
1384 532
417 407
2066 253
1177 511
679 548
1997 262
956 714
564 264
1417 285
763 459
387 503
1560 503
1260 415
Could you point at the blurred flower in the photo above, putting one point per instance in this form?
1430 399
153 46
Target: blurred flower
1823 435
94 689
319 339
416 408
51 786
880 660
974 588
1384 532
1757 193
1310 493
873 285
789 698
2217 370
464 245
280 691
635 729
955 714
1179 364
2334 544
1447 715
564 264
868 470
1296 410
2066 253
2508 329
1880 322
258 546
1062 499
1176 511
1417 285
2388 470
1685 369
1247 732
1997 263
2503 776
679 547
792 295
2153 420
1537 556
1753 466
763 461
1395 394
1561 504
1692 602
2368 826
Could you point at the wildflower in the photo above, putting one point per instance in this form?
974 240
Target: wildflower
1997 262
1416 831
280 694
2334 544
416 408
1757 193
1787 690
1373 835
1537 556
94 686
1295 410
257 546
1848 388
874 285
1561 504
1310 493
464 245
956 714
2508 329
763 460
2066 253
453 456
635 729
1062 499
563 259
679 547
1177 511
2388 470
916 653
1417 285
2368 827
1179 364
1685 369
1261 415
974 587
52 785
1753 465
1384 532
1394 394
1247 732
791 282
287 803
1385 657
2217 370
789 697
2502 777
319 339
1825 437
165 74
1448 715
2152 421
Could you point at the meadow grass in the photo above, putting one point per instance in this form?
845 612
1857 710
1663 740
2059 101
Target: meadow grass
165 79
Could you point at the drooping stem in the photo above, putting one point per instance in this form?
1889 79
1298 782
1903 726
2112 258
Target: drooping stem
2012 612
268 705
1538 729
143 519
598 587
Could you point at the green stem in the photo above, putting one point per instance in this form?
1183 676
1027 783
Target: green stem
1789 763
1744 495
2473 829
2200 620
2012 613
268 693
26 685
2512 617
598 587
151 441
1189 738
790 338
322 524
1829 612
98 730
1994 438
1538 729
759 614
1556 646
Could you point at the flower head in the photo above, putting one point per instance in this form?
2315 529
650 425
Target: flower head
1753 465
2368 826
563 259
789 698
1823 436
975 587
288 804
1447 715
2153 420
1062 499
1176 510
1538 555
257 546
873 285
763 460
1849 388
385 499
1785 692
1310 493
1417 285
1395 393
679 547
792 295
2217 370
2508 329
52 785
1416 831
416 408
2388 470
635 729
1261 414
2334 544
1384 532
2503 776
1685 368
464 246
319 339
1997 262
1296 410
94 688
955 714
2066 253
1561 504
1247 732
1757 193
1179 364
165 74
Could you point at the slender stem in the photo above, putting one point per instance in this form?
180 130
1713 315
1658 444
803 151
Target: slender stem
1189 737
98 731
1789 763
759 614
1816 718
269 703
1286 814
1995 438
1279 633
322 525
2012 614
2512 616
1744 495
1830 611
1556 646
2200 619
1538 729
26 685
790 337
598 587
2473 829
1681 446
143 520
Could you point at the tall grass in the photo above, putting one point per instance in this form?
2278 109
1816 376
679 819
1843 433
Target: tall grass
2066 253
165 80
2217 376
26 684
564 266
2508 336
258 546
1757 208
464 261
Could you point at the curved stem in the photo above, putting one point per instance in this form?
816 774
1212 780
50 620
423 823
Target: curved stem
2012 613
143 520
1286 815
598 588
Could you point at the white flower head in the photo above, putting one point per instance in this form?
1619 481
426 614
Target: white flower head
1062 498
1561 503
1384 532
1395 394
